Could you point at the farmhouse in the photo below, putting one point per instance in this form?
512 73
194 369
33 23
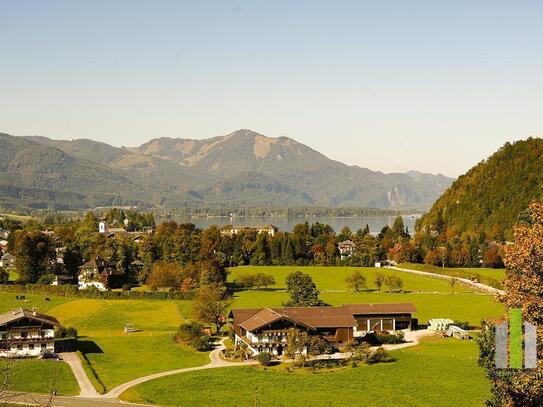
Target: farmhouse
346 248
26 333
230 230
267 329
7 261
100 274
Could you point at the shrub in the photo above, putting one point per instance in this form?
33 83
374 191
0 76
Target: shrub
202 343
379 356
264 358
387 338
126 287
189 331
66 332
4 276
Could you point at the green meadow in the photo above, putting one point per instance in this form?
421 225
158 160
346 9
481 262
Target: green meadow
438 372
431 296
111 357
38 376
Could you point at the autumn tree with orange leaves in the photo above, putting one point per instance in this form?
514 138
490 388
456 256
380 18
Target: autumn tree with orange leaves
524 289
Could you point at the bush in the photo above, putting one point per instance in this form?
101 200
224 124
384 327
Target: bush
264 358
66 332
379 356
189 331
93 292
202 343
387 338
126 287
4 276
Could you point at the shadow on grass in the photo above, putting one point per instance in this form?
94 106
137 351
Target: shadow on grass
86 346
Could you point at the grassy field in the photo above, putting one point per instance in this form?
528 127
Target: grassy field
38 376
112 356
489 276
440 372
432 297
333 278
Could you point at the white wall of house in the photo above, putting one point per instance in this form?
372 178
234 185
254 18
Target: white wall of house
83 285
28 349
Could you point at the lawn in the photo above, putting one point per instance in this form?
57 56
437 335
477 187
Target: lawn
8 301
432 297
39 376
112 357
489 276
333 278
440 372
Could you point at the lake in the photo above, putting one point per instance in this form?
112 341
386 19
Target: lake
376 223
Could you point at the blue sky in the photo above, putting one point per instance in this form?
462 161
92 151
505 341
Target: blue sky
392 86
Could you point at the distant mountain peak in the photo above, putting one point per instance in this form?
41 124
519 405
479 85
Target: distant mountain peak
240 169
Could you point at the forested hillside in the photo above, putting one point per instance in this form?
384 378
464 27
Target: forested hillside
491 197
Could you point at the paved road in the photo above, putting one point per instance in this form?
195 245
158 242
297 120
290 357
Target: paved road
85 385
480 286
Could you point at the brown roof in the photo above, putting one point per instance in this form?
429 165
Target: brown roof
393 308
263 317
315 317
19 313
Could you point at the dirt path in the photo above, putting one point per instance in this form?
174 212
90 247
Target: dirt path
480 286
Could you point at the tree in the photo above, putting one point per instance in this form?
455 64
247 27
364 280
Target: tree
166 275
35 255
442 254
4 276
398 228
211 305
356 281
452 283
393 283
72 259
302 290
379 280
523 289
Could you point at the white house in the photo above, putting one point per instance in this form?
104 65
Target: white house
26 333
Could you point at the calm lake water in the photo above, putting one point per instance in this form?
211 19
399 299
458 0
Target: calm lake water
375 223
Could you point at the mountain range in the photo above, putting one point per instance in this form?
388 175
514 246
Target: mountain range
241 169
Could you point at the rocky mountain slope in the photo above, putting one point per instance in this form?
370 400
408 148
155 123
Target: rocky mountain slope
243 168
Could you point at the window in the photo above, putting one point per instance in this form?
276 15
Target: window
31 346
44 346
24 335
42 333
19 346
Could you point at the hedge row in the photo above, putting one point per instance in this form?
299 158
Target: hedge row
73 291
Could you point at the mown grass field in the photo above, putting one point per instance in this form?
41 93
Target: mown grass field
113 357
431 296
440 372
333 278
38 376
488 276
